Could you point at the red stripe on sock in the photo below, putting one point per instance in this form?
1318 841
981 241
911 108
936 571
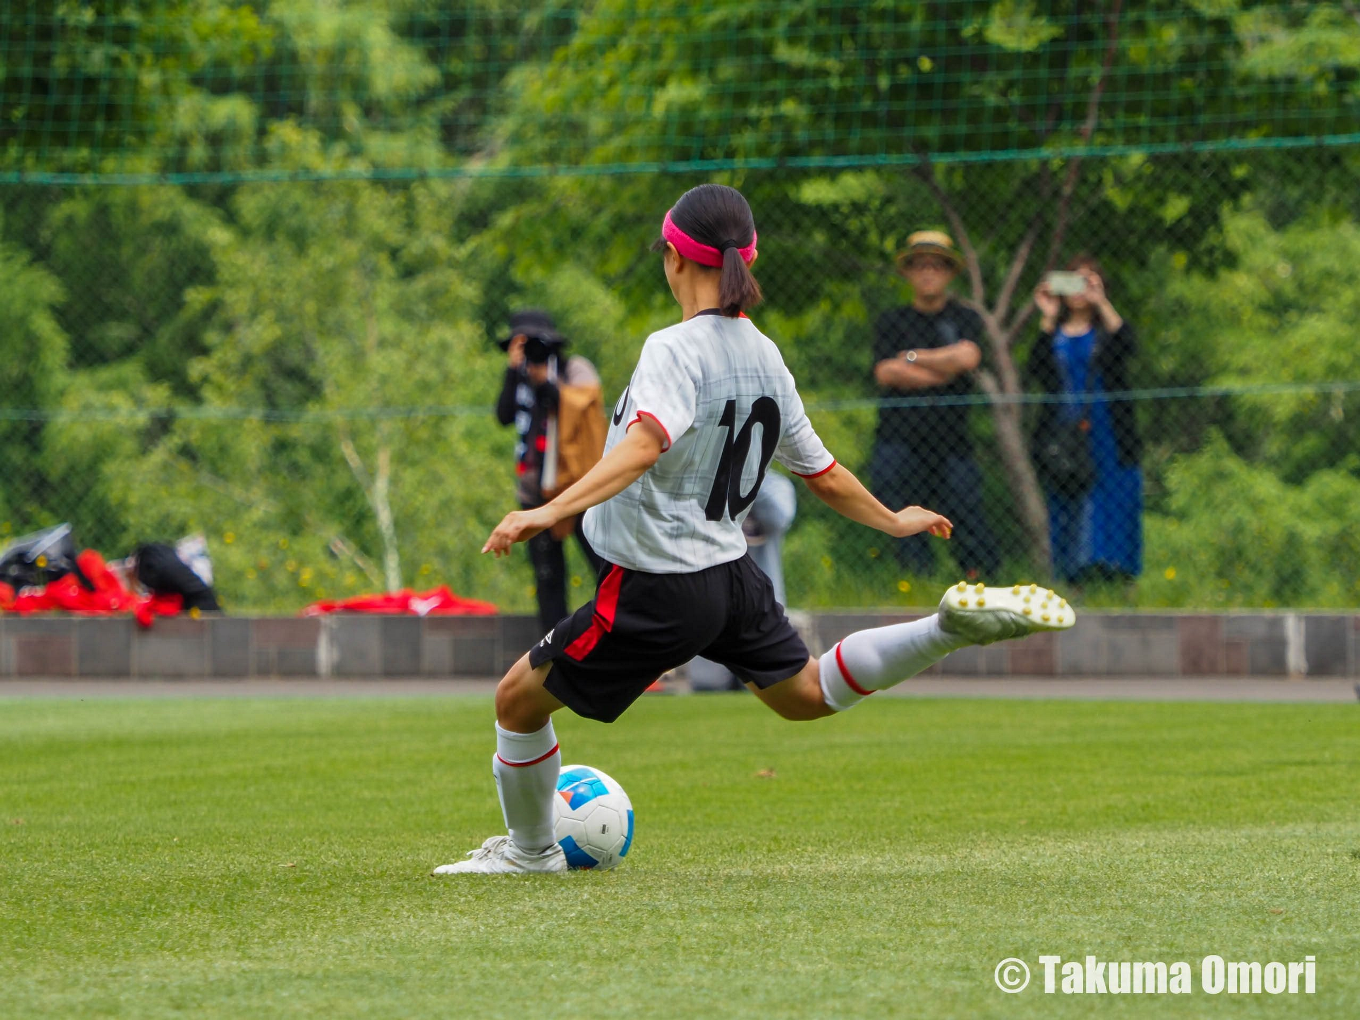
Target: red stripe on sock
845 673
526 764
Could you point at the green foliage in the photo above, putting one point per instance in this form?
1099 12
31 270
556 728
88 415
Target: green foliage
328 299
1016 26
1278 314
138 325
33 374
1234 534
1315 44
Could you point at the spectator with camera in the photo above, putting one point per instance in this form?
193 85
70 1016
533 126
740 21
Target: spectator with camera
1087 447
556 406
923 452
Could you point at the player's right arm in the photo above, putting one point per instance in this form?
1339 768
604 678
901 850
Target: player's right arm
628 461
846 494
663 396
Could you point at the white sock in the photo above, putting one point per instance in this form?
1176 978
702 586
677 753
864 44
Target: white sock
526 767
871 660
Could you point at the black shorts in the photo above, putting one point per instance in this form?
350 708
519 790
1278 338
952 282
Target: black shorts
639 625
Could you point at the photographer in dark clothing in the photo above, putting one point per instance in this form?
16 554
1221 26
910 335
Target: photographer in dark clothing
530 397
923 455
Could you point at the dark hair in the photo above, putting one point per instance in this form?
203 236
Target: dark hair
718 216
1085 260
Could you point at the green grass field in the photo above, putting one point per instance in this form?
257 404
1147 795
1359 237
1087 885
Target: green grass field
269 858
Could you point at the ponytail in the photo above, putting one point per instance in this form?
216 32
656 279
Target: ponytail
737 288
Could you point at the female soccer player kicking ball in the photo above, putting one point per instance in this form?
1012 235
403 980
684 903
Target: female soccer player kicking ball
709 406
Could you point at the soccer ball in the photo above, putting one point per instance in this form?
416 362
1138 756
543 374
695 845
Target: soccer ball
592 818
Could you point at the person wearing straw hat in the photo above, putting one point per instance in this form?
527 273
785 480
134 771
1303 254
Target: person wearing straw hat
923 451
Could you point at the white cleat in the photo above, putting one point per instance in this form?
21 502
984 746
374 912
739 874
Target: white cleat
500 856
983 615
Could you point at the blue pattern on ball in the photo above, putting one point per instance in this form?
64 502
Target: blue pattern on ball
627 840
576 857
581 786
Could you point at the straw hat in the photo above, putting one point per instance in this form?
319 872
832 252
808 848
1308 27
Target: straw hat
930 242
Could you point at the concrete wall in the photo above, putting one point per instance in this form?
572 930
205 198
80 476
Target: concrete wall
1102 644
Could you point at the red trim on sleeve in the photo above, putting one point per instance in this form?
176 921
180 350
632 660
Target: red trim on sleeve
849 680
526 764
606 607
818 474
638 416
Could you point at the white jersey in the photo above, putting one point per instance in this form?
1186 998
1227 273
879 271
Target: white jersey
719 389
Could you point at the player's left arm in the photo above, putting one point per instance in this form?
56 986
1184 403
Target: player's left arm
615 471
839 489
803 452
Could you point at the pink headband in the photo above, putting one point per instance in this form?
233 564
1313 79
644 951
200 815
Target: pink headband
704 254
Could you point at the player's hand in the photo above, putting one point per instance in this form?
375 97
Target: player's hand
519 526
916 519
515 351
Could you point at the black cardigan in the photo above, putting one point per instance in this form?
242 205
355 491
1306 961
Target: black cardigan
1113 354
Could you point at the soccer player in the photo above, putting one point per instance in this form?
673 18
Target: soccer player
709 406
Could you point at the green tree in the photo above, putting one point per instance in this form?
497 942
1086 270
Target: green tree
33 374
330 301
897 85
1280 312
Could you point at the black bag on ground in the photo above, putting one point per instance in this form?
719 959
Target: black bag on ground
41 558
162 572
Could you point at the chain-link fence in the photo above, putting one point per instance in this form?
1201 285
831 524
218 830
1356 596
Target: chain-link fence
253 262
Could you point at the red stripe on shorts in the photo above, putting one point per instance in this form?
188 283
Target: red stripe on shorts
849 680
606 606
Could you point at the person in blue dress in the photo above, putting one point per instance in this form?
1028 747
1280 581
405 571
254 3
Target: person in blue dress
1084 351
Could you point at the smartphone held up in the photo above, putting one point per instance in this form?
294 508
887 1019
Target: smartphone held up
1062 284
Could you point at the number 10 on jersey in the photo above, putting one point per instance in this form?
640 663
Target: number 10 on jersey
726 497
